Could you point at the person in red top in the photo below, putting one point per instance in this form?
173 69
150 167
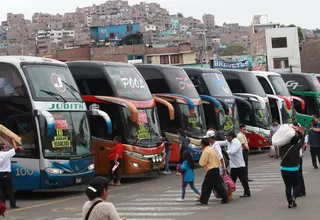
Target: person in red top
115 156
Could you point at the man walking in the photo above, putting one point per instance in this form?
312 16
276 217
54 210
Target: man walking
314 141
210 161
245 147
6 185
273 129
212 140
237 164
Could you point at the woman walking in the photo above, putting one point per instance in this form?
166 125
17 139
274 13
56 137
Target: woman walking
115 157
289 140
188 175
184 142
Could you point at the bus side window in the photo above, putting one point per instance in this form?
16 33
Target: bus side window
165 123
297 106
197 83
244 114
265 85
23 126
11 83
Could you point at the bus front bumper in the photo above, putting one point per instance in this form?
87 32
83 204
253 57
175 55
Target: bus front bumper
53 181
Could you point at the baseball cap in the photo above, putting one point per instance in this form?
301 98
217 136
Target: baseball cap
210 134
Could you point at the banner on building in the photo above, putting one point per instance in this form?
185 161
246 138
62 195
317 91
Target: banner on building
251 63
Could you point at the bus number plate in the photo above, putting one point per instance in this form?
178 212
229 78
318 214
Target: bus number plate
78 180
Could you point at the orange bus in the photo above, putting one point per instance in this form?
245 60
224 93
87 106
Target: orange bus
120 90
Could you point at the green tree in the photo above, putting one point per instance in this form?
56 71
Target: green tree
233 49
180 15
300 33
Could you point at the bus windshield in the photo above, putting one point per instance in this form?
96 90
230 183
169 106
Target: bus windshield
50 82
128 83
262 116
279 85
72 138
146 131
217 84
194 125
180 83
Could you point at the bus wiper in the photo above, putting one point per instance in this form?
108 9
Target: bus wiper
53 94
72 88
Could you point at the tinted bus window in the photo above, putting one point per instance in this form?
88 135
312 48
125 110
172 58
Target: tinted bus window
46 79
180 82
10 82
304 83
279 85
217 84
128 82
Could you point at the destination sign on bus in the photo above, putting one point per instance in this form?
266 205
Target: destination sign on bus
143 133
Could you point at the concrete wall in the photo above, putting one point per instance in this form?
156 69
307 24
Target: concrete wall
310 57
292 51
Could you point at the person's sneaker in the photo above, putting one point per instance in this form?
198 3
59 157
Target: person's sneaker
180 200
14 207
224 202
165 173
246 195
316 167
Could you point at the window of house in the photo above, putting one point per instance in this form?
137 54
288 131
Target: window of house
279 42
175 59
280 63
164 59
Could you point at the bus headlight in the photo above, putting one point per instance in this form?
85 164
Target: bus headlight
91 167
134 154
54 171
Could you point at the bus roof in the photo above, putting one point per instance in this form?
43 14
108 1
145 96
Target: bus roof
297 74
265 74
157 66
96 63
17 60
199 70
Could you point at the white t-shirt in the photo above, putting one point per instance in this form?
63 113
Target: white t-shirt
235 153
102 211
217 148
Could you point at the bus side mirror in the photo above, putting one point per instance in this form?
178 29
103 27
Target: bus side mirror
96 112
49 118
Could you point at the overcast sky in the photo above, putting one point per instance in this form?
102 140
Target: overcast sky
302 13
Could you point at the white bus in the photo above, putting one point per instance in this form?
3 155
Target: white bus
40 102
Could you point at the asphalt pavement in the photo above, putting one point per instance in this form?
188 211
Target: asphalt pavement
154 198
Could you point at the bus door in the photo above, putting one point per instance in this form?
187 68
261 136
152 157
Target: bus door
300 112
275 106
26 164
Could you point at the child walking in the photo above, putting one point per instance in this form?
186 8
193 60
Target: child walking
187 175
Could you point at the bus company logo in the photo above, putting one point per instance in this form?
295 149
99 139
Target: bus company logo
94 106
292 84
57 82
55 106
76 168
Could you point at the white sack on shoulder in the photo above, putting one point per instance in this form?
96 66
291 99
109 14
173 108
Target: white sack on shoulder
283 136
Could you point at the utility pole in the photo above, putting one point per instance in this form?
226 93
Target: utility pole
205 45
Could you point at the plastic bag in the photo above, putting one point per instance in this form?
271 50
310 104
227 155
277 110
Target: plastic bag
272 151
231 186
283 136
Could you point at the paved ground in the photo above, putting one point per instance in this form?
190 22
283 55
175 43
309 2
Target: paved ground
154 198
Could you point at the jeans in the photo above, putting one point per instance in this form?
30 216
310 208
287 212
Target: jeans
211 181
241 173
291 180
315 152
246 158
116 175
167 167
191 184
302 185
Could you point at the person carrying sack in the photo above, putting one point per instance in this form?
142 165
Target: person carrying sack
288 141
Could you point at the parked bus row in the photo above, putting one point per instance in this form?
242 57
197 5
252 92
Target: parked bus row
68 113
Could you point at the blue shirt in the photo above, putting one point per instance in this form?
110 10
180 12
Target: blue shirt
188 175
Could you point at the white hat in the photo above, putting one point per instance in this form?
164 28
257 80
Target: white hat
210 134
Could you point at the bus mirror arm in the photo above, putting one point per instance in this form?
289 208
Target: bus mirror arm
168 105
49 118
96 112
